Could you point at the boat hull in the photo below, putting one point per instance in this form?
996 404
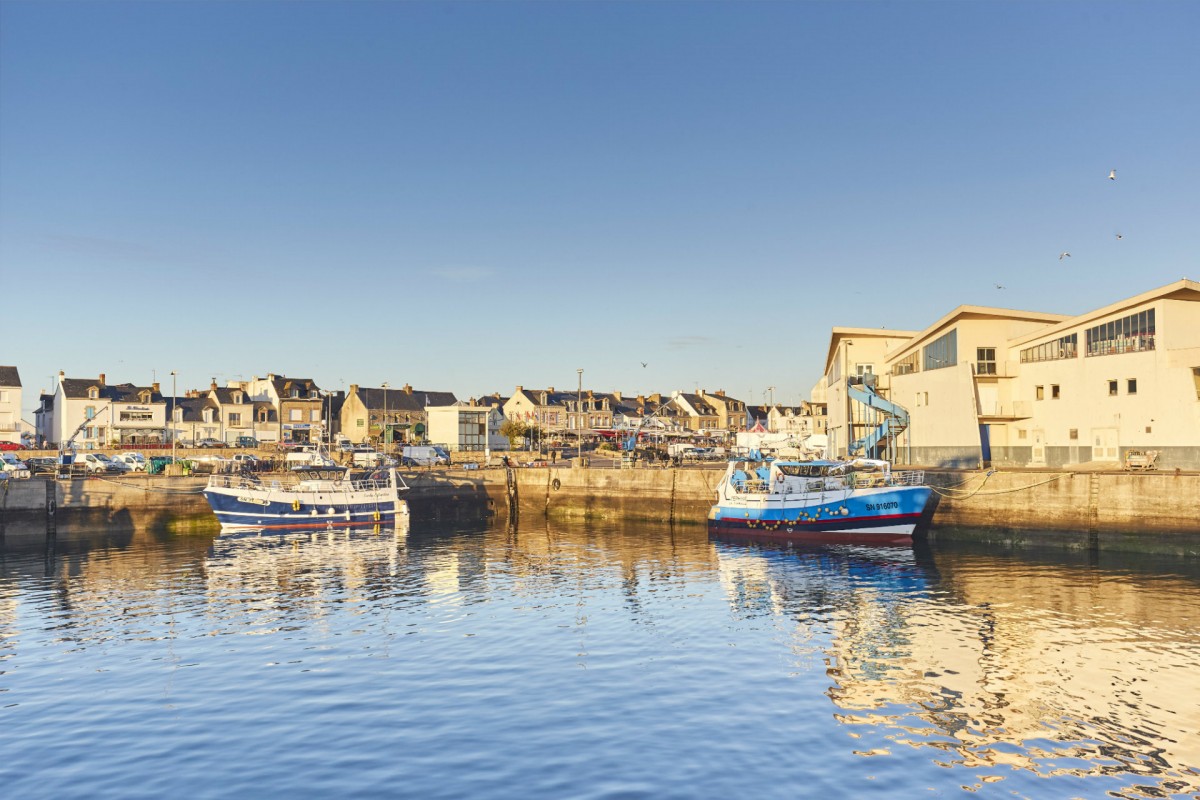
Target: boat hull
236 508
884 515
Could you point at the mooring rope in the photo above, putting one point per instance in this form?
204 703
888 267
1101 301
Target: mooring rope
947 491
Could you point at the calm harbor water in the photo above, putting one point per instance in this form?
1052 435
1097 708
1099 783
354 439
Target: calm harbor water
590 660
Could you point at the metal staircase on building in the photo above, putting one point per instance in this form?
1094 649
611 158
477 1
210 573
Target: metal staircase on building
883 419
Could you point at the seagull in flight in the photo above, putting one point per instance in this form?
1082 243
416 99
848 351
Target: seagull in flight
998 286
643 365
1063 255
1112 175
1119 236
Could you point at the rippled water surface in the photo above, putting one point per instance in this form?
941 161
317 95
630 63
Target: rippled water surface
589 660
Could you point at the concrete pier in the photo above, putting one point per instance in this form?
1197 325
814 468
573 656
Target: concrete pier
1112 510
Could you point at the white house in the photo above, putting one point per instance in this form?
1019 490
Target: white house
463 427
94 413
10 405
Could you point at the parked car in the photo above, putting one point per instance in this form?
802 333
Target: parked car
366 457
245 441
426 455
97 462
13 467
12 446
42 465
135 462
210 442
249 461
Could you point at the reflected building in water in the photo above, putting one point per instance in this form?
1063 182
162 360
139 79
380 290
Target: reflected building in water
1048 668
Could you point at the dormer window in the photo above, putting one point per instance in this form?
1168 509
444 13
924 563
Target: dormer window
238 398
296 393
93 393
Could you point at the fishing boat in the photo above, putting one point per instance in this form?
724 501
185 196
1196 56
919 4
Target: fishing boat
318 496
855 500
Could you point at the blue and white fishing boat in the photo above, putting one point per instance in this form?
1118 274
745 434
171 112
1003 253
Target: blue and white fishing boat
308 497
857 500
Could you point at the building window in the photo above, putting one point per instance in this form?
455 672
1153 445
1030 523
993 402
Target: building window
1147 429
1196 380
1062 347
942 352
1021 433
1131 386
294 414
1039 393
1054 391
1074 433
314 415
90 412
985 361
1126 335
235 419
360 422
907 366
1112 388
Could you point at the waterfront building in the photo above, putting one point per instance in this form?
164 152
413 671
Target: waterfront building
589 411
731 412
698 414
10 405
466 427
386 414
191 419
298 404
120 415
544 409
988 386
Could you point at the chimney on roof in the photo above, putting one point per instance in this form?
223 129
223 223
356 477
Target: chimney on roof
407 389
656 397
496 395
641 400
617 395
354 388
101 378
550 390
520 388
213 386
154 387
719 392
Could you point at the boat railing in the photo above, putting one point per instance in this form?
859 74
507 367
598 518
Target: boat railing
750 486
911 477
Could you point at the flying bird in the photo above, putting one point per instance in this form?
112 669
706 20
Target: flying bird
1112 176
1119 236
643 365
998 286
1063 255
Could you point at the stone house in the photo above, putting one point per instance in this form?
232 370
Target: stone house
395 415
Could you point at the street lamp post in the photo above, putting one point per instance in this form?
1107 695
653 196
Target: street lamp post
174 400
383 427
579 418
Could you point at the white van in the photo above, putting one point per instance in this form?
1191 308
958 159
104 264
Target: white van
423 456
97 462
13 467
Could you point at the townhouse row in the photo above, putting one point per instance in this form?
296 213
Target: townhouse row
90 413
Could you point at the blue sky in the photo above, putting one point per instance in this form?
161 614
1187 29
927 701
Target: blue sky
469 196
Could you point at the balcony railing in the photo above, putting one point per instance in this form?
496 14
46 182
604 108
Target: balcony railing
1017 409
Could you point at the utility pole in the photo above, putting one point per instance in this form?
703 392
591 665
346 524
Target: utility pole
579 424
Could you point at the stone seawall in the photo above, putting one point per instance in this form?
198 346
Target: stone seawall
1112 510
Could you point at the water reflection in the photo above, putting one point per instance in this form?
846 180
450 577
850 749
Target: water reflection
1047 668
1054 676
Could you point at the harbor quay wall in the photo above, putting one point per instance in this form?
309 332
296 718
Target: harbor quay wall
1144 511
